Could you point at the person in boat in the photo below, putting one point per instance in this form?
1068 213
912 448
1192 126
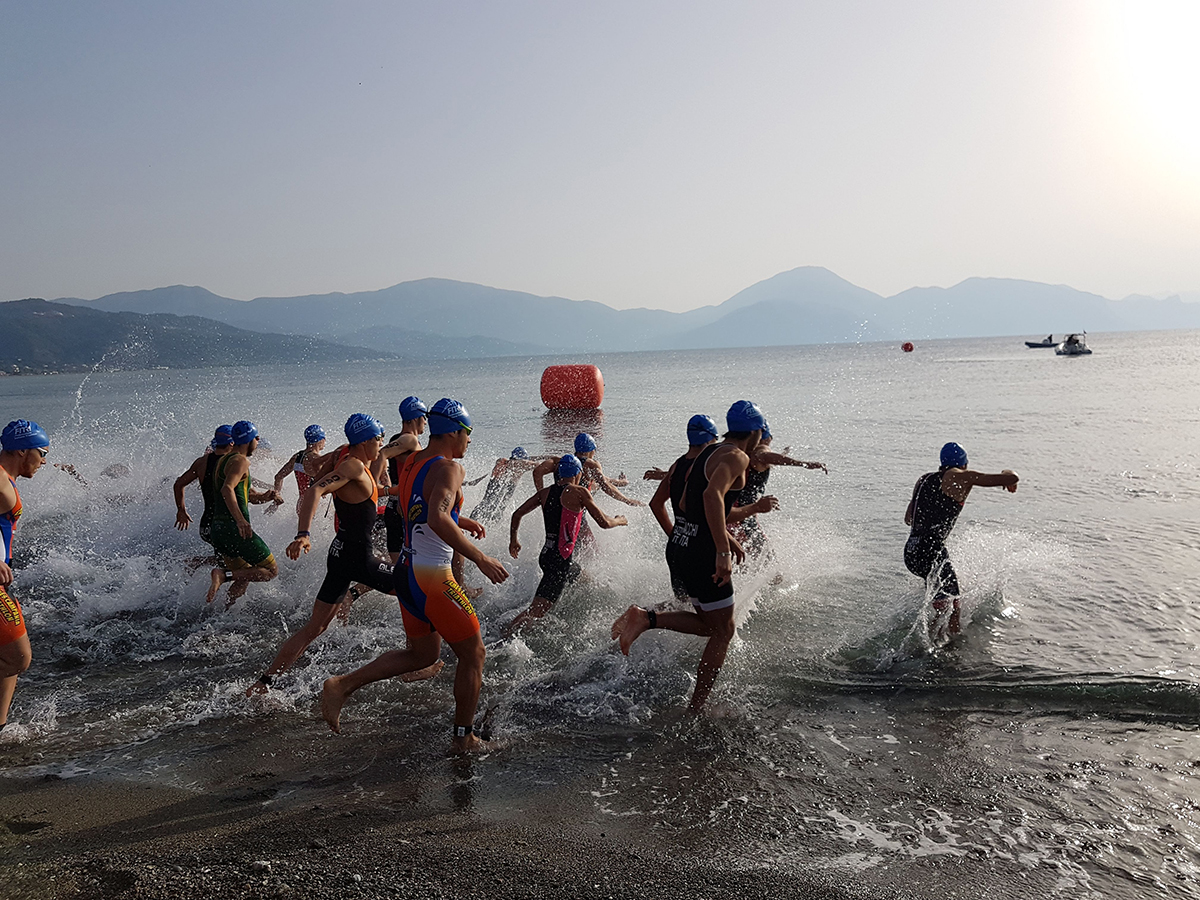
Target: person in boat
23 449
704 550
432 603
937 499
563 504
203 470
351 557
303 463
246 556
753 498
502 483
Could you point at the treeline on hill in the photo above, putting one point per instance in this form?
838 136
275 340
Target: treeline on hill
40 336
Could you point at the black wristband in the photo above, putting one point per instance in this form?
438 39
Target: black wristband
653 617
462 731
266 679
300 534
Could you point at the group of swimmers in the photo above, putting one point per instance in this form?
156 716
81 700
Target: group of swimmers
706 502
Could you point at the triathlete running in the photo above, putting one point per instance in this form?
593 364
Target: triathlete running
350 558
23 449
303 463
431 600
704 549
203 470
563 505
937 499
244 553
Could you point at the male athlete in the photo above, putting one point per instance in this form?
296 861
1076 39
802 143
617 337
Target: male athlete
701 433
413 416
246 556
703 550
204 470
303 463
563 505
355 496
431 601
937 499
23 449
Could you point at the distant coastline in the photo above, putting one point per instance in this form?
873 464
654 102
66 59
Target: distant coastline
437 319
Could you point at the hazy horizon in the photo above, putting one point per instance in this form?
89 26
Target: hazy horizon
662 155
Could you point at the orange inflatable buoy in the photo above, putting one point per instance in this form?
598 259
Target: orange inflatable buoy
907 347
572 387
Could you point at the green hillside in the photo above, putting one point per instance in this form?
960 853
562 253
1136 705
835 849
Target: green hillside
40 336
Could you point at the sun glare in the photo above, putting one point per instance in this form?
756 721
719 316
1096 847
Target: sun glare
1158 60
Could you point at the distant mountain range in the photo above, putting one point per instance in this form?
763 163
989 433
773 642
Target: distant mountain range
56 337
436 318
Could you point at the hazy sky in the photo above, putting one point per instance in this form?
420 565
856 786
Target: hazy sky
638 154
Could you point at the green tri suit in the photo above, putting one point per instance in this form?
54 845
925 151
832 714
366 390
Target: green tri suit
239 552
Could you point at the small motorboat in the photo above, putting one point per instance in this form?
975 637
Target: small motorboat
1074 345
1048 342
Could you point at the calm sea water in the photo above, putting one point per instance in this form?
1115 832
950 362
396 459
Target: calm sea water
1052 750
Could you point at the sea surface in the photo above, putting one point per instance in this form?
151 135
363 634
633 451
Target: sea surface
1052 750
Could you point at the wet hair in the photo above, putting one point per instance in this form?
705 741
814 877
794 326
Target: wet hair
737 435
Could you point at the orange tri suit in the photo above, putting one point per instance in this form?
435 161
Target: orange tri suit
430 597
12 621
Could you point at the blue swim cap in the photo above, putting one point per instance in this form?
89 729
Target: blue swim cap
314 434
448 416
584 442
519 453
223 436
954 456
361 428
23 435
412 408
766 431
244 432
569 466
701 430
745 416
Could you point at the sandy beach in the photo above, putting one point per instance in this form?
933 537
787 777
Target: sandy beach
92 838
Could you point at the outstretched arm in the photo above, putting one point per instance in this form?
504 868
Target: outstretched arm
779 459
593 470
603 519
348 470
283 471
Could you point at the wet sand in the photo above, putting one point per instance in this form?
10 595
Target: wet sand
93 838
264 808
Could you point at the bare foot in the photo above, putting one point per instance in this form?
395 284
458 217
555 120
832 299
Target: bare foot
629 627
470 744
423 674
332 698
217 579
